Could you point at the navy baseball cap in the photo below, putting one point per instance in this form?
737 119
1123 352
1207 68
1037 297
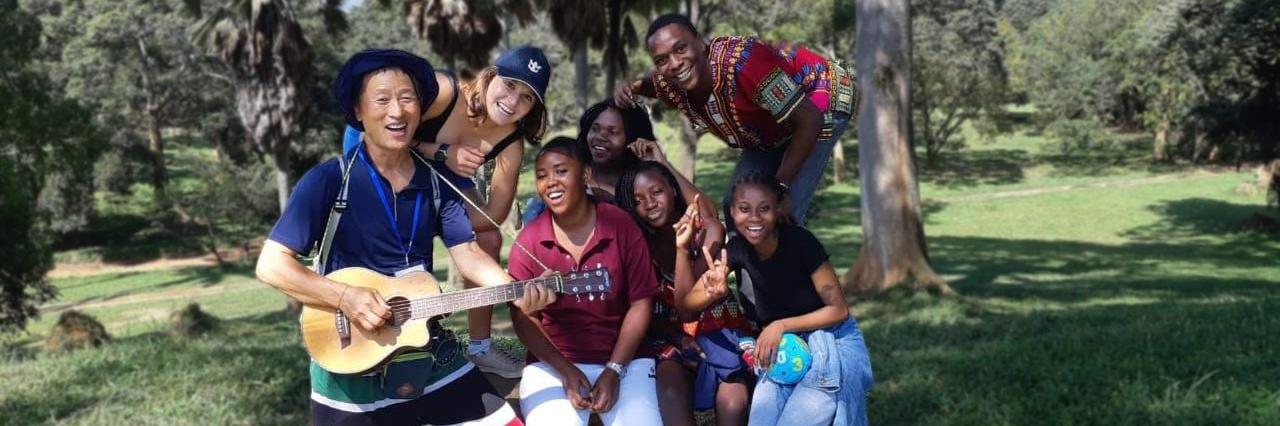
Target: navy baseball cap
350 81
528 65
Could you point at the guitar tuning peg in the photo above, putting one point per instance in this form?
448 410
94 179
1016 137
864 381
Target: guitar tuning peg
591 297
602 296
578 296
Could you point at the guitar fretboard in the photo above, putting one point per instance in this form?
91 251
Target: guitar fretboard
427 307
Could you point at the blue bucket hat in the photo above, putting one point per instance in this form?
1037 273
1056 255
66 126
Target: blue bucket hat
350 81
528 65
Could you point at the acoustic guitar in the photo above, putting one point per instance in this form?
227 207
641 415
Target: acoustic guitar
415 299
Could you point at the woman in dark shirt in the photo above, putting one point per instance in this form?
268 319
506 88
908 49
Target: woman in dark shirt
793 289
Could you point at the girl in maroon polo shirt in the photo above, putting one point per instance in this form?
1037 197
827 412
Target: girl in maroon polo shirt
582 348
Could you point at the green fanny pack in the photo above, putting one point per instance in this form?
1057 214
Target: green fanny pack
407 375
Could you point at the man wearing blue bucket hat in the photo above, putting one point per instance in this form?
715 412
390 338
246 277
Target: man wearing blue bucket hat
475 129
391 206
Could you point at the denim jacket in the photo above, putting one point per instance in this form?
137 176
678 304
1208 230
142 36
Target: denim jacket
842 366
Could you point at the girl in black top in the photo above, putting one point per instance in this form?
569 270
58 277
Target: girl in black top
793 289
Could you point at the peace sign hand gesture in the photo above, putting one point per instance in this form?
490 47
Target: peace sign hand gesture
715 280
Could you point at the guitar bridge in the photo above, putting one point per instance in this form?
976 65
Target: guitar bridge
344 329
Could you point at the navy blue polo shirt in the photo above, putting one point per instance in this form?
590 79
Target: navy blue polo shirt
365 236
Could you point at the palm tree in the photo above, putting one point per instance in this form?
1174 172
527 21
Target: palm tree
462 31
271 67
270 62
578 24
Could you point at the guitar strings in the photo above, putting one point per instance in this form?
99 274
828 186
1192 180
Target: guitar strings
419 307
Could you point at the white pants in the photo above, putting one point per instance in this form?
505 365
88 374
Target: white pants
543 401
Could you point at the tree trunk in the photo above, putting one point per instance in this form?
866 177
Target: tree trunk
693 10
1160 151
837 156
893 250
688 149
159 174
280 159
615 58
582 76
837 159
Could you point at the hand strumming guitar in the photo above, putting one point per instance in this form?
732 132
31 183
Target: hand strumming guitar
364 307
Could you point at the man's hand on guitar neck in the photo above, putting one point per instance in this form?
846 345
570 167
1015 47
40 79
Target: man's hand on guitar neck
364 307
536 297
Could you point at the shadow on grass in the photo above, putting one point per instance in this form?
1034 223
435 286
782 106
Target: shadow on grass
1129 364
251 371
1053 332
200 276
977 167
980 262
1197 216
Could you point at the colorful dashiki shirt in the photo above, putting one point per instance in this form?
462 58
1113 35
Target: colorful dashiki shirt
756 85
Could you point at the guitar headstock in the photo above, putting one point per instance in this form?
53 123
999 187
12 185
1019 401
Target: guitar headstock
587 282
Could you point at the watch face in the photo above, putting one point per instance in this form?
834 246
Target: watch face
441 153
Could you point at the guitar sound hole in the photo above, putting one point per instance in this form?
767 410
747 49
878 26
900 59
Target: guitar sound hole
401 311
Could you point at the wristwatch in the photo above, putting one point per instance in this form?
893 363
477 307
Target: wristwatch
617 368
442 153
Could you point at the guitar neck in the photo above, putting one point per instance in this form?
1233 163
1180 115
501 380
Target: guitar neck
440 304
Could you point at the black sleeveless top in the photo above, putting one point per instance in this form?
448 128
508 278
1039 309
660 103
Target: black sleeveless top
432 126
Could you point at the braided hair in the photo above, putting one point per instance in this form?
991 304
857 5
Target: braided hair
762 180
626 192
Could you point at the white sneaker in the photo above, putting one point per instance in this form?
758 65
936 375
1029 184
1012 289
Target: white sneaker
499 362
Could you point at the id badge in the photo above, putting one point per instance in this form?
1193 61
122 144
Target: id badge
415 268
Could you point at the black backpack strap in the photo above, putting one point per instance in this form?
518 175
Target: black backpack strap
320 264
503 144
429 129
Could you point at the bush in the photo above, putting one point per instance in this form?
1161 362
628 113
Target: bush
1073 135
74 331
191 322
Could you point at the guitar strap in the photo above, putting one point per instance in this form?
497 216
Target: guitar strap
475 206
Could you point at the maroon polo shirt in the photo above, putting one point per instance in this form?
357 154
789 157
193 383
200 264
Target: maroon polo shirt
586 330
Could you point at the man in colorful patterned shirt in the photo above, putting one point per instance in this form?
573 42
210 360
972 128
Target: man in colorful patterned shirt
783 105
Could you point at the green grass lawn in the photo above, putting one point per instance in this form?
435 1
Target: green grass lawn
1141 301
